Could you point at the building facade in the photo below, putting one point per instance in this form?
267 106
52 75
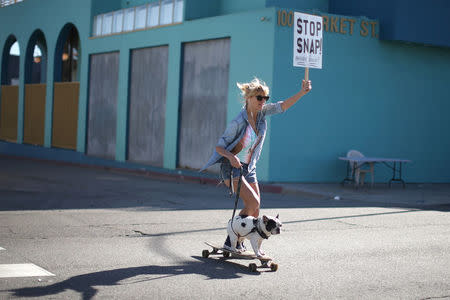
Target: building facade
151 85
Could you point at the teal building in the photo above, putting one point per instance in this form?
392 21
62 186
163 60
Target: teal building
151 85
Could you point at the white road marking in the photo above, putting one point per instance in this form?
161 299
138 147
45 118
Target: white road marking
22 270
2 248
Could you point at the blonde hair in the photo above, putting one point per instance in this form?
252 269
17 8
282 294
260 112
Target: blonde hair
252 88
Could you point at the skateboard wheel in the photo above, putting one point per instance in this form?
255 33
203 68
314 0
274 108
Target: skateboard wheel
205 253
226 254
273 267
252 267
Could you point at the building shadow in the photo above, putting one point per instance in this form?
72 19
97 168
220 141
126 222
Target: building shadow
85 284
40 185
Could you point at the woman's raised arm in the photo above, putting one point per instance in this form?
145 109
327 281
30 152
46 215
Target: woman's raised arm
306 88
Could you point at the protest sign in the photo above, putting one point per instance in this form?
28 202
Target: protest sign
308 41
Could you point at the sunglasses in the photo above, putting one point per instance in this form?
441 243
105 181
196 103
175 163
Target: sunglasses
260 98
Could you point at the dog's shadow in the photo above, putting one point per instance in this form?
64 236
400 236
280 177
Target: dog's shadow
85 284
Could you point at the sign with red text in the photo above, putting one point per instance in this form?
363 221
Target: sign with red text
308 41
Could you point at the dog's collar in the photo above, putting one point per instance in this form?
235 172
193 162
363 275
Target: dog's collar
259 231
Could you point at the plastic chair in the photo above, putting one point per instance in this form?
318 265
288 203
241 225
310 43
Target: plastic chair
356 168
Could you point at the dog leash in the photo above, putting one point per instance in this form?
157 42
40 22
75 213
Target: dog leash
238 190
241 171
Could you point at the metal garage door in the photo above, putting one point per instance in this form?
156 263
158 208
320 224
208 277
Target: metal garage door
147 112
204 100
103 82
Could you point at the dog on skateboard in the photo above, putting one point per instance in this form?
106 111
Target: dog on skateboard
254 229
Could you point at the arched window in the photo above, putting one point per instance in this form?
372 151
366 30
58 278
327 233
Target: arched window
35 89
10 62
36 59
67 55
9 90
66 88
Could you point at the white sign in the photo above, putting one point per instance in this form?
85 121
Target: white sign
308 42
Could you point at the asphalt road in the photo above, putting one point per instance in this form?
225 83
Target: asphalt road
111 235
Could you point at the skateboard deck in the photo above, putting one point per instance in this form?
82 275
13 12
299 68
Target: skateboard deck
266 262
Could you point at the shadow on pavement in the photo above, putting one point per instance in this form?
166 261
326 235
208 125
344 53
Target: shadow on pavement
85 284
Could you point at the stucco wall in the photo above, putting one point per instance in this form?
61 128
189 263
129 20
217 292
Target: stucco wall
386 99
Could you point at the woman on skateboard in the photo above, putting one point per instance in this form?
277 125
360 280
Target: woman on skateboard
241 143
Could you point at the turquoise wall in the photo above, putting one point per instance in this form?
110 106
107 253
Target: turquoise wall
196 9
21 20
386 99
228 7
104 6
132 3
311 5
244 29
239 27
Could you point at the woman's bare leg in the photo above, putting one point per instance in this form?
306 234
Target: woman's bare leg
250 196
255 187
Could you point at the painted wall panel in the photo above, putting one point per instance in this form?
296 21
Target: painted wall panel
103 81
148 86
34 116
9 108
204 100
65 114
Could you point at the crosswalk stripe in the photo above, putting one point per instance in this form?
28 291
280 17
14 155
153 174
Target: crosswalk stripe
22 270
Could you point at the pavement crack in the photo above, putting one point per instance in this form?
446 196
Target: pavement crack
347 223
141 233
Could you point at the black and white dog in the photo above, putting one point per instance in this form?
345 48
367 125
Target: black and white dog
253 229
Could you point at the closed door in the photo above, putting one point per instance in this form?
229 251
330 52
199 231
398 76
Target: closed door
147 109
103 82
203 101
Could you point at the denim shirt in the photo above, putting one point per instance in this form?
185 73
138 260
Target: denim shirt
236 130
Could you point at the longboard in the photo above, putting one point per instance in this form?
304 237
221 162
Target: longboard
266 262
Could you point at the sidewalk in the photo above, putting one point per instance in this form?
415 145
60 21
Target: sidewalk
424 195
421 196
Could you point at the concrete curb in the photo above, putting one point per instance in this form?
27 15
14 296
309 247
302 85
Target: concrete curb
171 175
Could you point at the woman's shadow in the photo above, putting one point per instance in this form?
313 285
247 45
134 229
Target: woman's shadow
85 284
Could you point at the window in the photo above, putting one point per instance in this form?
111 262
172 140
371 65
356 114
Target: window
141 16
15 49
129 20
36 59
166 12
178 11
118 21
69 58
107 24
11 65
162 12
4 3
98 25
153 14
